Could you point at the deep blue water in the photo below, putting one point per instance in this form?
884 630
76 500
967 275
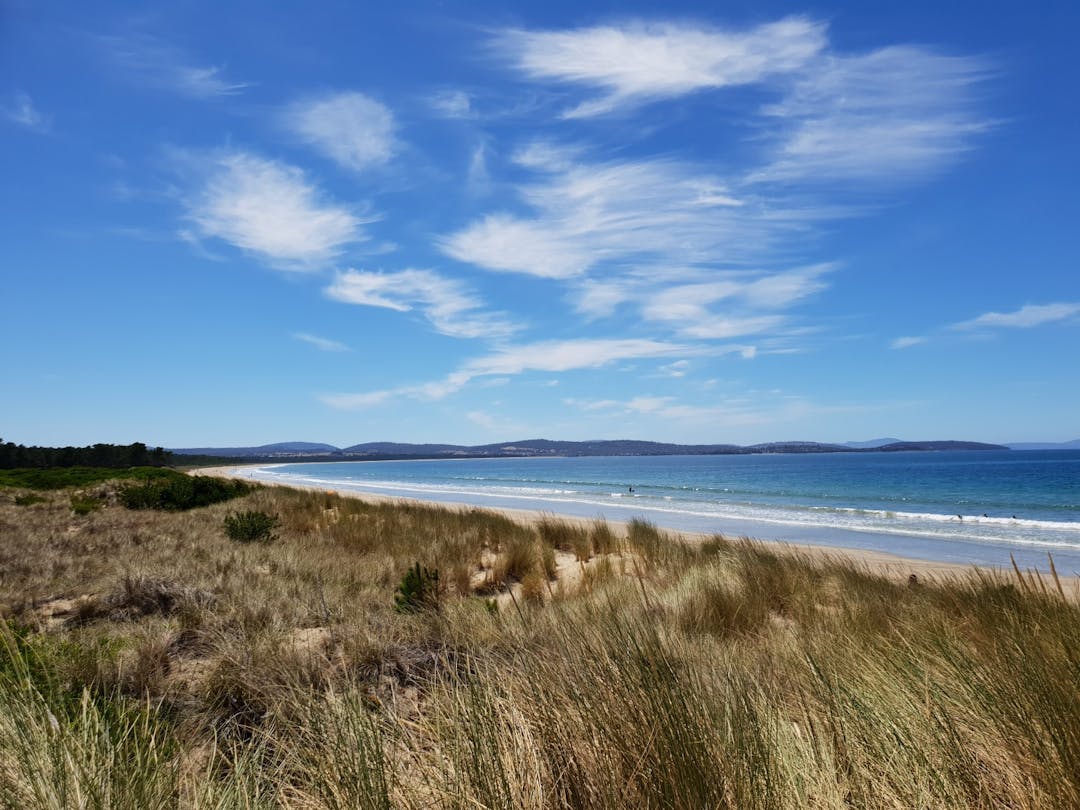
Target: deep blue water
977 507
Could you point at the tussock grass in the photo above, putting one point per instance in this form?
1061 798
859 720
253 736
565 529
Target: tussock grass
149 661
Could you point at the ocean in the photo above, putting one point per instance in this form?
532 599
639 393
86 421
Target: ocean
976 507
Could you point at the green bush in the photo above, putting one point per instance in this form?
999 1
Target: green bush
83 503
251 527
64 477
29 499
419 590
177 492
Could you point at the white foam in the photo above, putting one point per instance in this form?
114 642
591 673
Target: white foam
968 528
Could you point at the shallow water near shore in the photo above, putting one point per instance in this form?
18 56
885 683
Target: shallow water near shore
975 507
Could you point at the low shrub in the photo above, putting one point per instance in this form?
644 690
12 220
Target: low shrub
84 504
29 499
419 590
252 526
177 492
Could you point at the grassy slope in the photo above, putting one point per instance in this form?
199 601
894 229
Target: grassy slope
152 662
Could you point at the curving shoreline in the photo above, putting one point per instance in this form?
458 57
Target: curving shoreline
883 563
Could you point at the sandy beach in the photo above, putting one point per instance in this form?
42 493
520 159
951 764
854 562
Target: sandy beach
893 566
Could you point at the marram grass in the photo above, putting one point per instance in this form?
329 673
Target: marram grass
147 660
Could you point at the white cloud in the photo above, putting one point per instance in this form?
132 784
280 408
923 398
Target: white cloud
452 104
351 129
445 302
641 61
892 114
631 212
478 179
501 242
1027 317
660 235
723 328
148 60
780 290
592 404
21 110
752 408
549 356
352 402
325 344
598 299
907 342
267 208
565 355
676 369
1023 318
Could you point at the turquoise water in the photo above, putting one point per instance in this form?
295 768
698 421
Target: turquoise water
977 507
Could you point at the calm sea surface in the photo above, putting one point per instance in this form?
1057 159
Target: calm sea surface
977 507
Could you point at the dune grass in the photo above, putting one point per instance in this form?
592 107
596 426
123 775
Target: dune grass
148 660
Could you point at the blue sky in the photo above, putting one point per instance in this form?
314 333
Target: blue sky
230 224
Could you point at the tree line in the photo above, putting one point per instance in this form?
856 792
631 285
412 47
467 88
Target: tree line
18 456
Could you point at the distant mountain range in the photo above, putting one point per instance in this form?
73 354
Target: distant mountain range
547 447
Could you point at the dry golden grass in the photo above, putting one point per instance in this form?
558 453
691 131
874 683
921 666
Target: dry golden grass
149 661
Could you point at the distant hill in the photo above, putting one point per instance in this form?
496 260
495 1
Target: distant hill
531 448
942 445
262 451
1073 445
872 444
545 447
796 447
400 449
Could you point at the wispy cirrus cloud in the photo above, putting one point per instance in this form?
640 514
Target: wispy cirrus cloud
643 61
352 129
543 356
665 237
632 212
321 343
452 104
149 60
893 114
703 250
446 303
20 109
753 302
1026 317
763 408
265 207
908 341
